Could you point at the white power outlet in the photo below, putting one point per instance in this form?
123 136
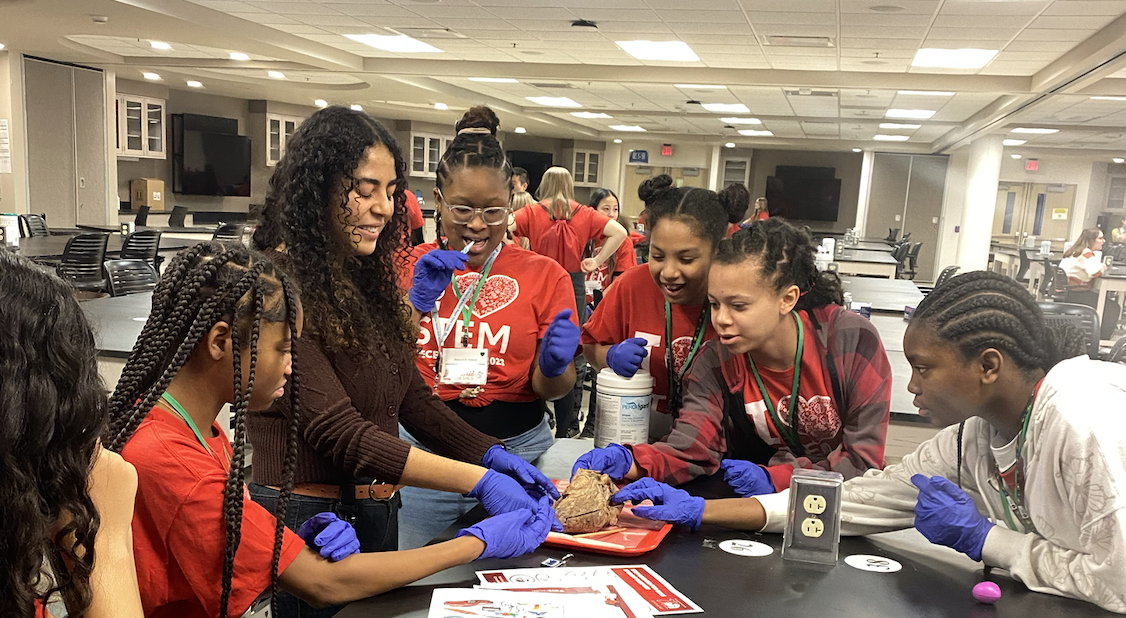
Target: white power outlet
813 527
814 505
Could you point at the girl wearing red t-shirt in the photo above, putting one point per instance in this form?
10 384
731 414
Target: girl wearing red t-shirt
606 202
221 331
781 336
736 198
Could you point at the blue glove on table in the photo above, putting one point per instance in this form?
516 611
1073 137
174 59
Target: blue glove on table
746 478
497 458
432 274
334 538
625 357
672 504
559 344
947 516
615 461
501 494
513 534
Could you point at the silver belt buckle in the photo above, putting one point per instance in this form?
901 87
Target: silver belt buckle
371 491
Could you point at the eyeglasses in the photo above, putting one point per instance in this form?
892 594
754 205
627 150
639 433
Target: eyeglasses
463 215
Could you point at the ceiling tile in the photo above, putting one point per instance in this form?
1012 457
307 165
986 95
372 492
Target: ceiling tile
1092 22
1087 7
805 19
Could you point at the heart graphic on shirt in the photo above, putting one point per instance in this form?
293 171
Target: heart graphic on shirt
817 418
681 348
498 292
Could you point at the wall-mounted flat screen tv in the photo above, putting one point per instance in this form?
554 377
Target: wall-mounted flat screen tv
212 164
806 196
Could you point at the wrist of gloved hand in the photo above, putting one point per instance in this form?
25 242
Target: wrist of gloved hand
946 515
747 478
625 358
531 478
515 533
669 503
330 536
557 349
614 460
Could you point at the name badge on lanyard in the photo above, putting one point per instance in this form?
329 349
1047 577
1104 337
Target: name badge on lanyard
464 366
260 608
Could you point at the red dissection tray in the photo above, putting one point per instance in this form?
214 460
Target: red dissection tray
640 535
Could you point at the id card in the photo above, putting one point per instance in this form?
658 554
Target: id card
464 366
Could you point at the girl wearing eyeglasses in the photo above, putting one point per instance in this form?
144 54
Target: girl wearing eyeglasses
498 332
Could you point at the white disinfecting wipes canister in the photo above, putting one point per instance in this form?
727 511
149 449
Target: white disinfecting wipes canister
623 408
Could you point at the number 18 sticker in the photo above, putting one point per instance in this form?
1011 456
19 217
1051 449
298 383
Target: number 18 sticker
877 564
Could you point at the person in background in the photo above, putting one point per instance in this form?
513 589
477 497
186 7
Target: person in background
737 198
559 227
68 502
1083 264
1027 474
792 379
519 180
760 212
519 310
415 221
520 200
1118 234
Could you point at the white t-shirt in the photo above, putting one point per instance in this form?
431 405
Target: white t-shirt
1083 268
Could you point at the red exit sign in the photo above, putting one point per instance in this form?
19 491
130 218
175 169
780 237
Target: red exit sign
666 150
1031 165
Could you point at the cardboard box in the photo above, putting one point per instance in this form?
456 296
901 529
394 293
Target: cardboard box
147 192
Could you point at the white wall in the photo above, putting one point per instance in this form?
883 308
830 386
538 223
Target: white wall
953 208
13 186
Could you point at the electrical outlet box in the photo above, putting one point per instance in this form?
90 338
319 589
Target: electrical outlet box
813 529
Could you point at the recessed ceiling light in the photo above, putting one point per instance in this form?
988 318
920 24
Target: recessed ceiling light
729 145
858 150
495 80
965 58
740 120
554 101
1118 160
617 140
885 8
152 76
239 56
700 87
669 51
1015 156
726 108
520 130
194 84
891 138
441 106
924 93
320 103
276 74
1035 130
896 125
627 127
909 114
357 108
1 46
590 115
160 45
400 43
1013 142
1092 98
756 133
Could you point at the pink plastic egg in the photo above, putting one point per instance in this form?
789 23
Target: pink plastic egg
987 592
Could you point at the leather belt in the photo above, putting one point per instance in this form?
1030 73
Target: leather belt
373 491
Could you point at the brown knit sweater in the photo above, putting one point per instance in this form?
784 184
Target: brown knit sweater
349 422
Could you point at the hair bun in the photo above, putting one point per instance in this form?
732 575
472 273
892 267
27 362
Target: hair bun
479 117
653 188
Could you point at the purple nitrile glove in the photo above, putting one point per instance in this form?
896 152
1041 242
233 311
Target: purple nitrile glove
625 357
499 459
559 344
671 504
334 538
746 478
432 274
515 533
615 461
946 515
500 494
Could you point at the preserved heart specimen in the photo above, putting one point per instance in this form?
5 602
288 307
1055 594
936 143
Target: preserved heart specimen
585 505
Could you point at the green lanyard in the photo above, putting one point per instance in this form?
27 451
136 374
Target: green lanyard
467 309
1015 503
789 434
187 419
676 377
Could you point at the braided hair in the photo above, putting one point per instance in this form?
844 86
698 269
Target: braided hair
203 285
476 145
703 211
785 257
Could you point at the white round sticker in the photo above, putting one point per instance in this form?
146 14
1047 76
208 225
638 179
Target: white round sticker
746 548
878 564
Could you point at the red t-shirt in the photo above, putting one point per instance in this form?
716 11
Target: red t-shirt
523 293
763 216
534 223
179 533
624 259
732 228
635 307
819 421
414 212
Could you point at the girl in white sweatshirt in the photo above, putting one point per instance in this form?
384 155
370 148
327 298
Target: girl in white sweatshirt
1028 476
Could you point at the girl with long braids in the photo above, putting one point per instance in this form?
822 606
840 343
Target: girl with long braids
334 219
221 331
1028 474
792 379
518 317
68 503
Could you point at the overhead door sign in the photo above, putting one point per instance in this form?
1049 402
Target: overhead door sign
640 157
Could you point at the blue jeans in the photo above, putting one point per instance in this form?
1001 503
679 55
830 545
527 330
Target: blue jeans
427 512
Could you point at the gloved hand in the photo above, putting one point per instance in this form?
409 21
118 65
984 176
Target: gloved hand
501 494
615 460
672 504
625 357
513 534
746 478
333 537
947 516
559 344
432 273
497 458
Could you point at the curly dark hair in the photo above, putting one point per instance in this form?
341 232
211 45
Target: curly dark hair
472 148
701 210
351 301
785 256
52 410
203 285
737 200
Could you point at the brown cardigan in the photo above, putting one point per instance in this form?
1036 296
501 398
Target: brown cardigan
349 423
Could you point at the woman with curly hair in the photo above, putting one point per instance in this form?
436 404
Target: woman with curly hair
334 219
67 501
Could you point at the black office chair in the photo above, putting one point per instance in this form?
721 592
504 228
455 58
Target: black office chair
142 245
81 265
228 232
1117 352
34 225
142 218
912 261
900 255
1026 259
1085 318
176 219
129 276
893 234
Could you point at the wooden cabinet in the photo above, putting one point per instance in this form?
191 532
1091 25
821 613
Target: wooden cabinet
426 152
279 130
140 127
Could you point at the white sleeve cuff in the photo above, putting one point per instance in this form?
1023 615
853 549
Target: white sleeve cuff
1001 547
777 507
